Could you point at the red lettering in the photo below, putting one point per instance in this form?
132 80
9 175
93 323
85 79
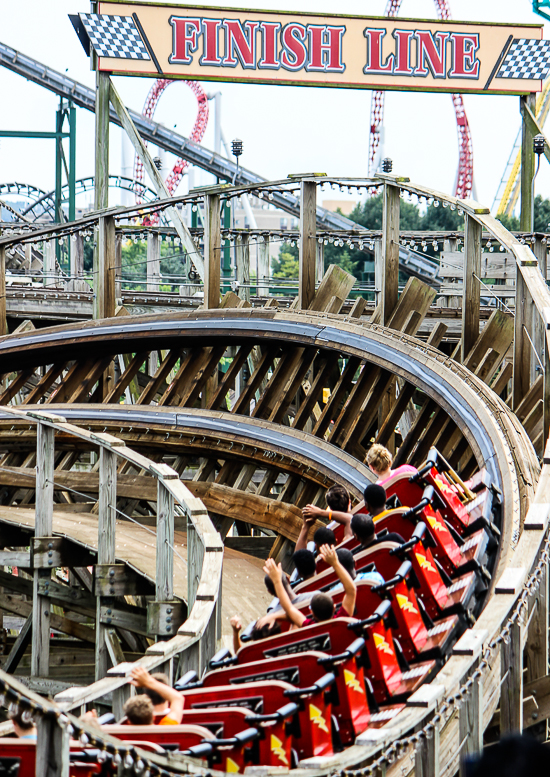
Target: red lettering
374 53
294 55
211 52
325 43
403 50
236 40
465 62
185 32
269 58
431 53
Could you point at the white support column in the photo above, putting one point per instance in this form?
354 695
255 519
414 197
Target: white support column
48 263
153 261
263 267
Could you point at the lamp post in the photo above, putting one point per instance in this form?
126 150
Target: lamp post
236 150
538 149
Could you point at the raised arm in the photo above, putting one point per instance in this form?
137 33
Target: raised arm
142 679
350 590
275 572
313 512
236 626
307 523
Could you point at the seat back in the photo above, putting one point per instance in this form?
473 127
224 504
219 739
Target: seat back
313 736
211 726
349 700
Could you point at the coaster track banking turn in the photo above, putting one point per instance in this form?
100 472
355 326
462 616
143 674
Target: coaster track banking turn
476 425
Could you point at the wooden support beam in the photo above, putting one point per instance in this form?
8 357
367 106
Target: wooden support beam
537 633
388 282
106 553
77 256
195 558
307 246
105 297
470 724
470 299
52 748
164 591
3 323
427 761
101 181
511 691
18 648
173 214
153 261
523 336
212 251
528 132
45 460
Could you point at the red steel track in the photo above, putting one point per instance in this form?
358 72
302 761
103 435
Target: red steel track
464 181
196 136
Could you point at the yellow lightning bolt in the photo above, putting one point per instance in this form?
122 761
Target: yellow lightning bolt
351 680
277 748
405 604
424 563
316 716
435 524
381 643
231 766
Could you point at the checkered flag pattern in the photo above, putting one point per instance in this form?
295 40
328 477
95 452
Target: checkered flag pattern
114 36
526 58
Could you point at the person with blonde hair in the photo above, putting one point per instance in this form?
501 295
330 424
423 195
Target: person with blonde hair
379 461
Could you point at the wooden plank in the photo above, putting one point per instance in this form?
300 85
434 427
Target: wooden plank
523 337
511 696
3 320
41 615
105 296
527 105
230 377
45 382
471 293
212 251
336 283
132 368
307 244
470 723
19 647
106 548
388 282
254 546
158 381
13 604
52 748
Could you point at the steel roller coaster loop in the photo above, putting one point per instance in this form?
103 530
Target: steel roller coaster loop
465 176
197 134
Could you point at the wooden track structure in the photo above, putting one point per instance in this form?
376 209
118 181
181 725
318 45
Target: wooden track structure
269 407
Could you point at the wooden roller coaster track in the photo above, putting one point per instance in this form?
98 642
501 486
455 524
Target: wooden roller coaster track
257 410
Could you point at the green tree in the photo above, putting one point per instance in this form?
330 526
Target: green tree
286 265
443 219
542 214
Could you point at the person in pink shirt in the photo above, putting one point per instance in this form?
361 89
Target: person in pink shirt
379 461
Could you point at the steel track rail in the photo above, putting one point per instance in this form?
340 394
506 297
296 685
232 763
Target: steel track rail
283 442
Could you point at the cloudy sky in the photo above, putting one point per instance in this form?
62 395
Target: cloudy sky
284 129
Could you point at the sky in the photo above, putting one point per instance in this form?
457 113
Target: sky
283 129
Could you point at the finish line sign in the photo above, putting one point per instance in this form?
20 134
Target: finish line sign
265 47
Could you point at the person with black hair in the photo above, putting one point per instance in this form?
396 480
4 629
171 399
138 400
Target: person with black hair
324 536
321 605
304 561
338 509
345 557
23 724
363 526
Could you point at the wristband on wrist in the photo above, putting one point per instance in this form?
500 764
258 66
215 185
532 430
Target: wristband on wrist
330 515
